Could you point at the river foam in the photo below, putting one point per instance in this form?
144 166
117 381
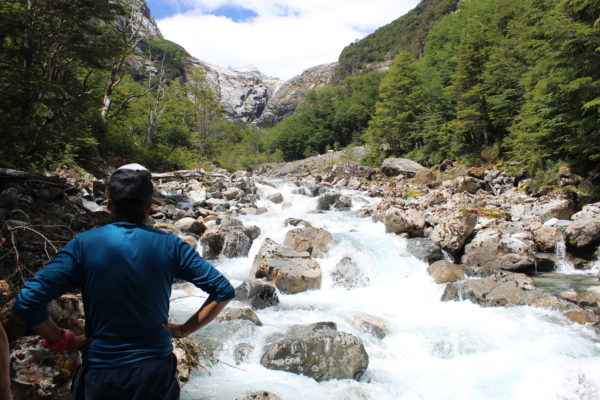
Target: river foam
432 349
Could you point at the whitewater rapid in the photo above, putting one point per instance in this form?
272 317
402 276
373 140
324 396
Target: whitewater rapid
432 349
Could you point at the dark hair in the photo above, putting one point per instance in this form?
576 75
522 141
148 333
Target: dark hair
130 192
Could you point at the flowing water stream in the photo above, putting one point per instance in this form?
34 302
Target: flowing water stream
432 349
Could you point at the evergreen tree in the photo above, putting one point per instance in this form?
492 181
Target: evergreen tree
393 130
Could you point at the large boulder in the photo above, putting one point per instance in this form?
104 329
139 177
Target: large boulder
490 249
445 272
290 270
583 233
409 221
315 241
190 225
452 233
560 205
229 239
38 373
258 293
466 183
319 351
500 289
398 166
276 198
424 249
546 237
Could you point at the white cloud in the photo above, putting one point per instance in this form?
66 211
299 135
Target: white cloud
313 32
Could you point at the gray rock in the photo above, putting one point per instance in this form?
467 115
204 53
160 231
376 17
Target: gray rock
500 289
408 221
230 314
291 271
584 233
260 395
259 294
452 233
492 249
397 166
38 373
424 249
236 243
348 274
560 205
190 225
546 238
445 272
331 200
315 241
276 198
319 351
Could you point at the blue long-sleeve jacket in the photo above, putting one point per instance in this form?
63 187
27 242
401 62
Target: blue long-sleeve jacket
125 272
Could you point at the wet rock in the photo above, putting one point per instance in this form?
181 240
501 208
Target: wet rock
371 325
247 314
296 222
348 274
315 241
333 200
252 231
241 352
397 166
259 294
233 194
190 225
408 221
582 317
276 198
492 249
253 210
291 271
546 238
236 244
319 351
212 243
452 233
424 249
500 289
584 232
445 272
38 373
260 395
546 262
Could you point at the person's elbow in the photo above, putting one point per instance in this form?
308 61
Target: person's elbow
226 294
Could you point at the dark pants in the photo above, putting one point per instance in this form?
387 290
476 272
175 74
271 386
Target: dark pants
152 379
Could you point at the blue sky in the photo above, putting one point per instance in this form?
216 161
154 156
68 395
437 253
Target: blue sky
281 38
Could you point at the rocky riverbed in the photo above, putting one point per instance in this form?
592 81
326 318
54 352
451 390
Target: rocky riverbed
481 237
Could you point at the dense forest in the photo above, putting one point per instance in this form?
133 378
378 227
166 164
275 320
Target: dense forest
489 81
87 83
496 80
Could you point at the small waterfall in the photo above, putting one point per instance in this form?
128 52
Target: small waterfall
563 263
447 256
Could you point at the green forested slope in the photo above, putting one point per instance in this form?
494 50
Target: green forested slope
82 82
497 80
407 33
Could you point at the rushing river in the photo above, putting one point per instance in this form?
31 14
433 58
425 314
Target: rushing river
433 350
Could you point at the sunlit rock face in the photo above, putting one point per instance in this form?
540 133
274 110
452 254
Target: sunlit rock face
292 92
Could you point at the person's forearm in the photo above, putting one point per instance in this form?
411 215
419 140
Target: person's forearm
209 310
48 330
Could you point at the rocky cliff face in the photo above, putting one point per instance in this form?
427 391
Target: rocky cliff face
247 94
292 92
244 92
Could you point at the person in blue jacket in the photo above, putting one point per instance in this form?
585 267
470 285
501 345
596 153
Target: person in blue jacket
124 271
